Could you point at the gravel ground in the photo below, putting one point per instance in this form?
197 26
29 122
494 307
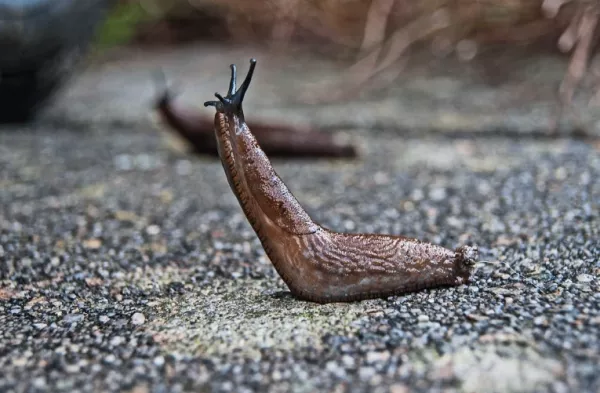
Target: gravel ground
128 266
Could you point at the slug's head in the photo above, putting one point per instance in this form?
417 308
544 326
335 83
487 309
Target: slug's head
164 94
232 102
465 258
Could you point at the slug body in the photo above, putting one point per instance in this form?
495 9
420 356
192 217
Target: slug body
278 140
318 264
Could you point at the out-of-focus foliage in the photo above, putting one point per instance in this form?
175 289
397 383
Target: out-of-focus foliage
120 27
373 34
347 22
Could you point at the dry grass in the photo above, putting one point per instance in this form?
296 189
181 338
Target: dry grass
363 23
375 36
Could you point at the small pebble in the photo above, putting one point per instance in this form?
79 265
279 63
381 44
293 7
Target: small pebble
585 278
540 321
73 318
138 318
159 361
366 373
153 230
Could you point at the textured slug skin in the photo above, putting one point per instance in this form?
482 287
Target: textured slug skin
317 264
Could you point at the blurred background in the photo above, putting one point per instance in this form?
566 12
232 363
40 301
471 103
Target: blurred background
374 37
532 50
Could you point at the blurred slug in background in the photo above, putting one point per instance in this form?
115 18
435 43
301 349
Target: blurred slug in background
277 140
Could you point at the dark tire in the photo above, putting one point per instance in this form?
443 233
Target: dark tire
34 71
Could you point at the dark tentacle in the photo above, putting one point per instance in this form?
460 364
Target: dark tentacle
239 95
232 82
232 103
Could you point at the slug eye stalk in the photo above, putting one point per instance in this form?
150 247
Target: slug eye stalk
232 102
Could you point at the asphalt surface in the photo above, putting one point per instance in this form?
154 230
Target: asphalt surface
127 265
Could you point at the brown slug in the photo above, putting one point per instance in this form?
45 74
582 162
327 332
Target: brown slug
318 264
277 140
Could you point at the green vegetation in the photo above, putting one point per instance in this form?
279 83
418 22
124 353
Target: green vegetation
119 27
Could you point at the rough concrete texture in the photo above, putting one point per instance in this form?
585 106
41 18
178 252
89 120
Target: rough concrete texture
128 266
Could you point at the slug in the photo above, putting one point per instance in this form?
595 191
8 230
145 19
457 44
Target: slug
195 129
277 140
317 264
